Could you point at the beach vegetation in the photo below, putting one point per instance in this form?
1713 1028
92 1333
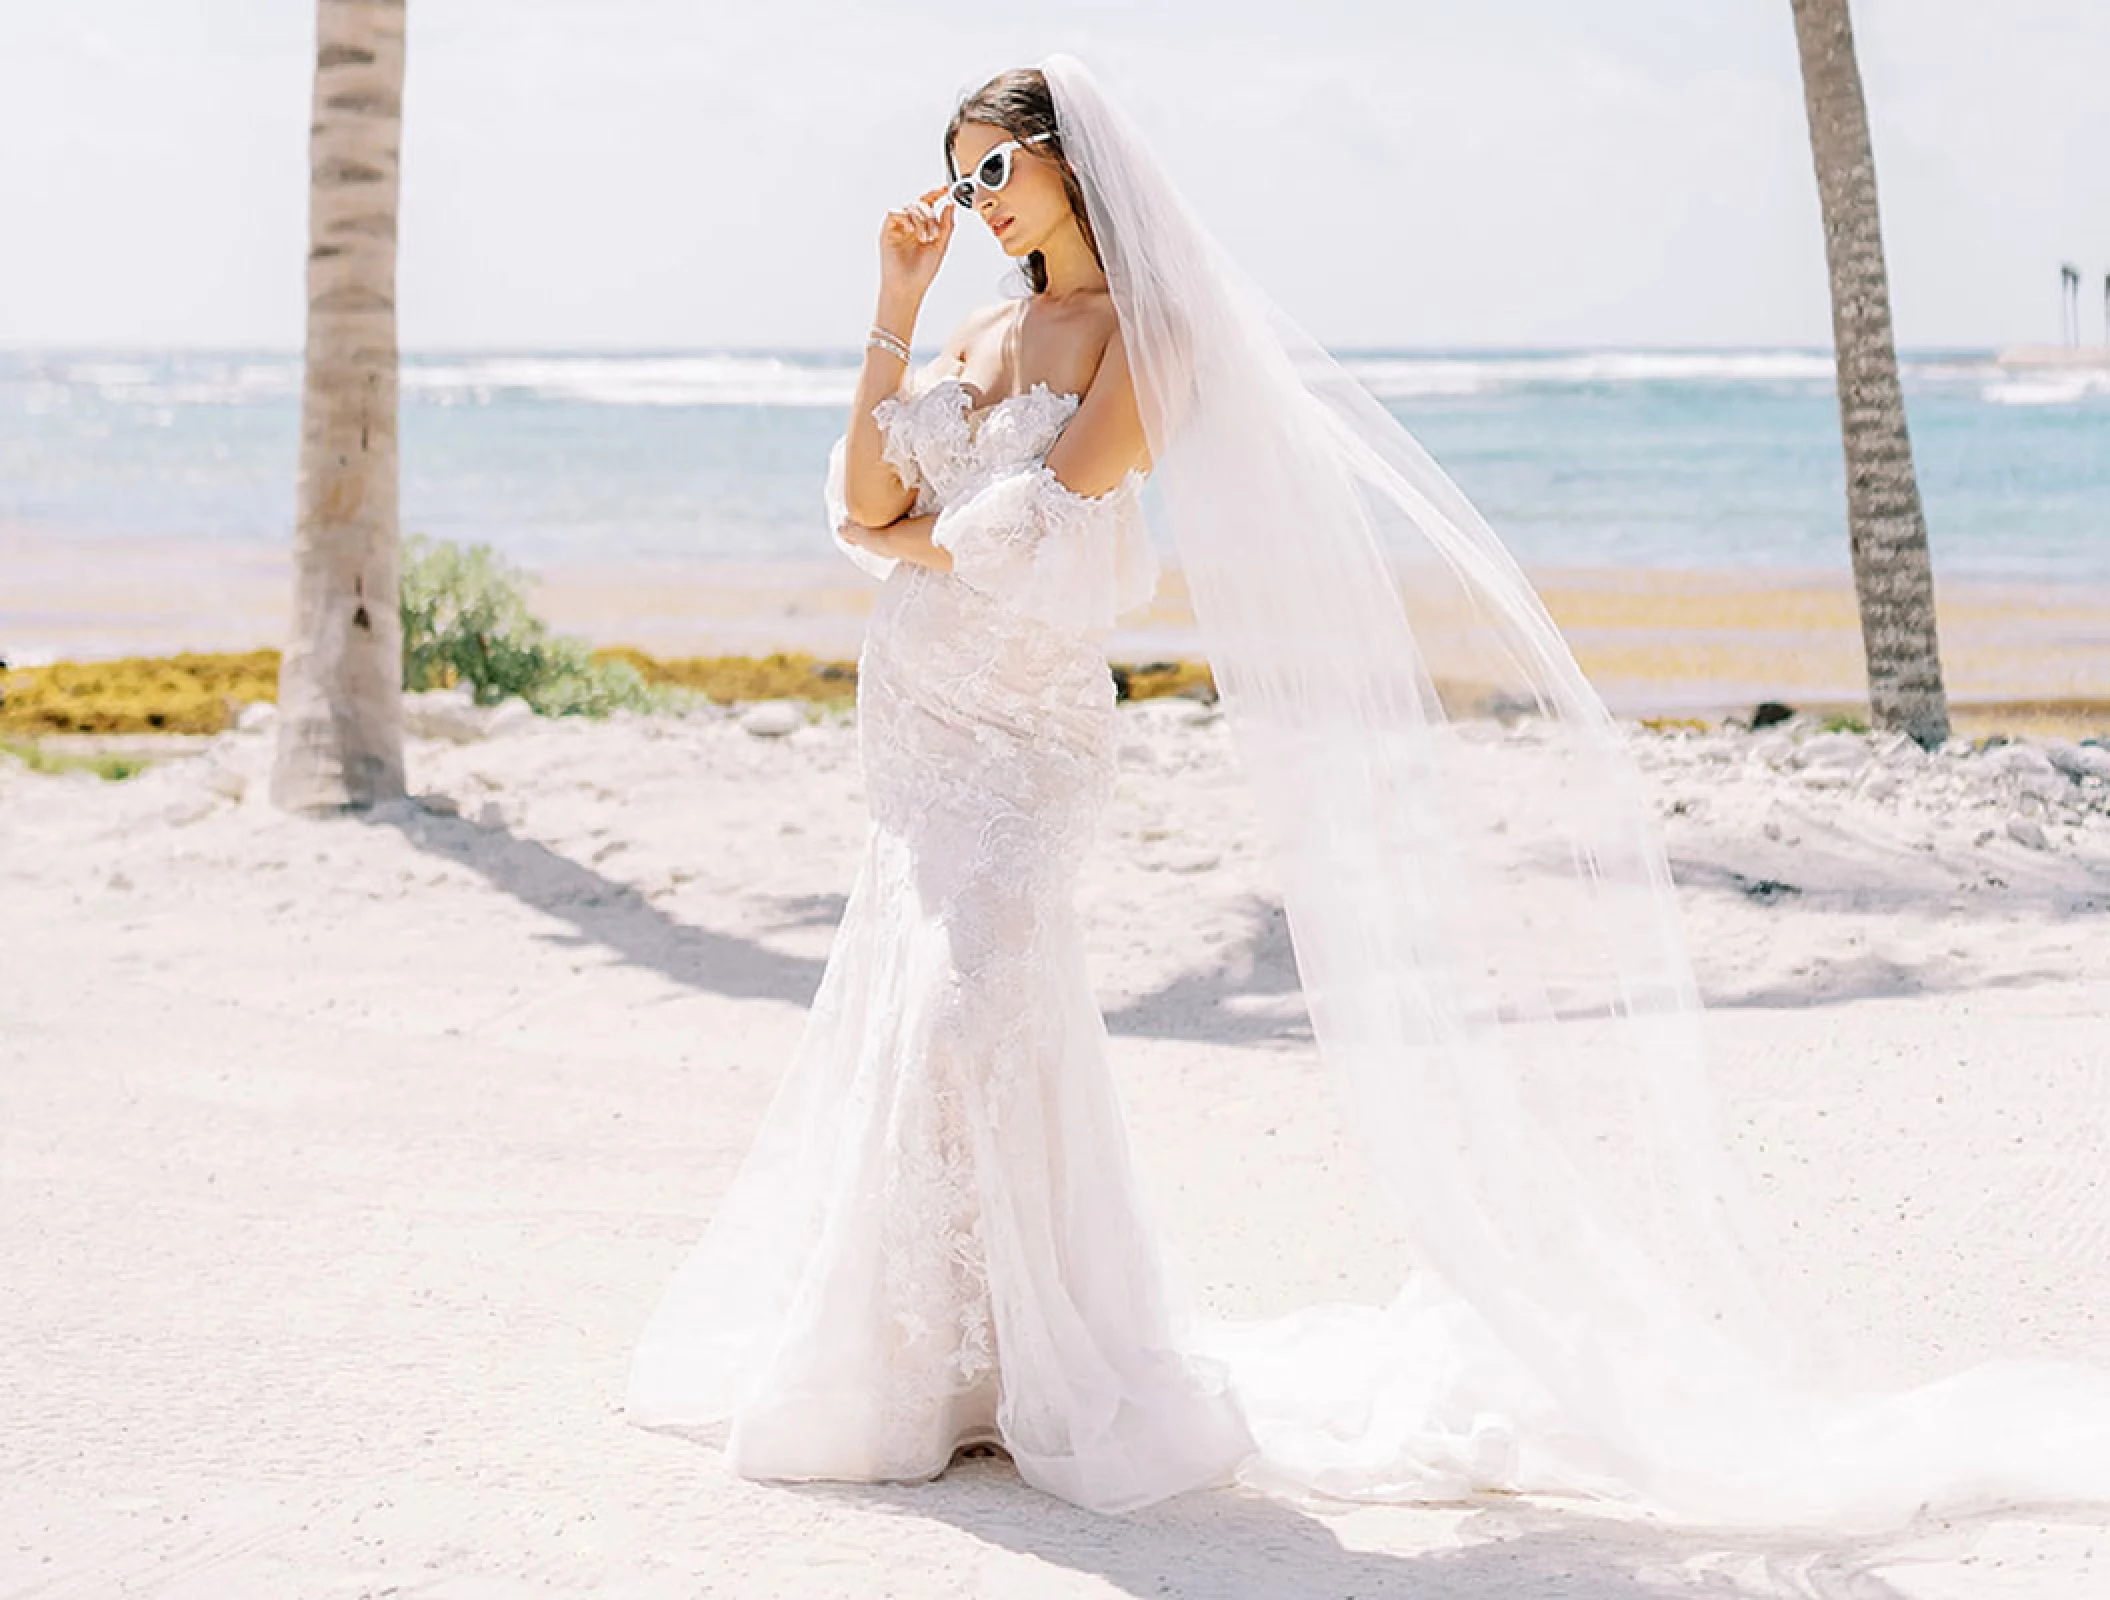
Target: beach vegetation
445 603
728 680
110 767
466 621
193 692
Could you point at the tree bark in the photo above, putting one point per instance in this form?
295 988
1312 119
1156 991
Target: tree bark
1893 575
340 723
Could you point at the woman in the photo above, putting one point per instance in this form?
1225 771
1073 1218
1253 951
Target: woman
942 1192
937 1240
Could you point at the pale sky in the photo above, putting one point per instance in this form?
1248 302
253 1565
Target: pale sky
696 173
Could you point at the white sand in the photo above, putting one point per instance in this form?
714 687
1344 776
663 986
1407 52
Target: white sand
343 1159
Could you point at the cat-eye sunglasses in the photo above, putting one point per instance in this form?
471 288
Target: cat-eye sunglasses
993 171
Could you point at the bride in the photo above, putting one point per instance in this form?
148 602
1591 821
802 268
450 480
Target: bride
938 1242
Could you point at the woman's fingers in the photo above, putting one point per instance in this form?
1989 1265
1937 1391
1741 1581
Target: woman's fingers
912 222
922 221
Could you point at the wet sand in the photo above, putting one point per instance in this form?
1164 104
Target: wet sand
1654 642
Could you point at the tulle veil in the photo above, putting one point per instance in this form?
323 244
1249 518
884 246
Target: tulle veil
1498 973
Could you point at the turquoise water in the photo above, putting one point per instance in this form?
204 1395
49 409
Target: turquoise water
1579 458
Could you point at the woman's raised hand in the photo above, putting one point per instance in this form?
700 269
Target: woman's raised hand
912 242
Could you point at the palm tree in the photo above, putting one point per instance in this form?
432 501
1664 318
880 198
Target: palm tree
1893 577
340 728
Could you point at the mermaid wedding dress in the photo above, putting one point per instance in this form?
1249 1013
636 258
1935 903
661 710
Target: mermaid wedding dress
937 1237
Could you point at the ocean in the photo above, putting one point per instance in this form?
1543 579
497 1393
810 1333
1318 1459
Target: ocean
1616 459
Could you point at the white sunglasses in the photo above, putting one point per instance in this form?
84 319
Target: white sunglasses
993 171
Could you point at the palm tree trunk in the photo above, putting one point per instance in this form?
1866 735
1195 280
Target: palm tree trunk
340 724
1893 577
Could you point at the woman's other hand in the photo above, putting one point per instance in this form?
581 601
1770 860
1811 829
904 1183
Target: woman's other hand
862 536
912 242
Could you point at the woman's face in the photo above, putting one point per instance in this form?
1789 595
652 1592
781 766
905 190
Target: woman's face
1031 207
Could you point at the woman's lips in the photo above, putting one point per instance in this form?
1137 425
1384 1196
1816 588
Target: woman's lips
999 226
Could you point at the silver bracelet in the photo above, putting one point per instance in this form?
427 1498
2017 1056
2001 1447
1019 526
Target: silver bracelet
892 343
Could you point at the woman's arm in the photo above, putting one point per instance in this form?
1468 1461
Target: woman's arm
912 241
1104 440
904 539
872 490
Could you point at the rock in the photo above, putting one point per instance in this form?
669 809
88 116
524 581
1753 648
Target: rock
1506 704
258 716
1775 750
2078 760
224 781
1880 784
773 719
510 715
1843 752
450 714
1769 712
2026 832
1901 750
2019 761
439 805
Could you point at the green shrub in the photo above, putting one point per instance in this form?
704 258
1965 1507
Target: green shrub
466 621
110 768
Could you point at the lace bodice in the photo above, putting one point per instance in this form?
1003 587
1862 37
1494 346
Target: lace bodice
1016 533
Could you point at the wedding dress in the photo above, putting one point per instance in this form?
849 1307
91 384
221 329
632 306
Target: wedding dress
937 1238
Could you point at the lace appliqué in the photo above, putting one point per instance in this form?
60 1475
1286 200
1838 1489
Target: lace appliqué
1065 559
1018 535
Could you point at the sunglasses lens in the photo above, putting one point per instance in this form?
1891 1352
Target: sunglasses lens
963 193
995 170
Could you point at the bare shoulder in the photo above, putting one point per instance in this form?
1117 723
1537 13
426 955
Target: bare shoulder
972 326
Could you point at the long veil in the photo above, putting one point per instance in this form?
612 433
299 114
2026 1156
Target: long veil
1489 944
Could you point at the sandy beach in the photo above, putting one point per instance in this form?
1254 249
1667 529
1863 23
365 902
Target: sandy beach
343 1159
2018 655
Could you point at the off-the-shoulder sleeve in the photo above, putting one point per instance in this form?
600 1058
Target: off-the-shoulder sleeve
1026 540
839 513
896 448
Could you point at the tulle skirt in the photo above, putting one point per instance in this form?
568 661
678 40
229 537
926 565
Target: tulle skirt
938 1237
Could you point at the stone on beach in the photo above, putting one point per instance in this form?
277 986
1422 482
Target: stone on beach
773 719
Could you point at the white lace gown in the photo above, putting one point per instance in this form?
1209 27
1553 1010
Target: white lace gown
938 1238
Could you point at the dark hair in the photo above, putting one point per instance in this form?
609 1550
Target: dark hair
1019 102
